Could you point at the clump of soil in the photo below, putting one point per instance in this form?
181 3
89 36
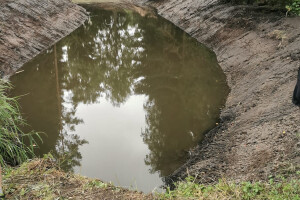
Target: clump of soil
41 179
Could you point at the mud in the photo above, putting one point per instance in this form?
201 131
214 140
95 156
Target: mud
259 51
28 27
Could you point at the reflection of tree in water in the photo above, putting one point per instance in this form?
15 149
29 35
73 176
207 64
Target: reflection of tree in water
101 56
67 150
43 110
182 81
95 61
67 145
117 54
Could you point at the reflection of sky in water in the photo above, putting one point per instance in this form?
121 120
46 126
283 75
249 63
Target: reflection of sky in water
113 135
122 98
114 141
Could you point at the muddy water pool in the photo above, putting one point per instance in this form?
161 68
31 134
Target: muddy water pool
123 98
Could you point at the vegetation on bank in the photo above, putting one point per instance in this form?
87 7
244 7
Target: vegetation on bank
276 189
13 150
42 179
293 7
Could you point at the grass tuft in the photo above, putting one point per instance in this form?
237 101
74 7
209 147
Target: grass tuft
13 151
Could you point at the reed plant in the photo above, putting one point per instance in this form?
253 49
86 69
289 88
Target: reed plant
13 149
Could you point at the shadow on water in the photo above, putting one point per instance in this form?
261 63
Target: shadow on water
114 57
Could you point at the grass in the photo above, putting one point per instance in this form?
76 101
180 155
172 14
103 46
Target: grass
280 189
42 179
12 148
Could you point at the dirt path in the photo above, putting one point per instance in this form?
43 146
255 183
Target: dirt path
259 51
28 27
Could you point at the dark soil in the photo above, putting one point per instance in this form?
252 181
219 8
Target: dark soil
28 27
259 51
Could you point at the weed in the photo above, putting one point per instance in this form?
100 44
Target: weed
293 7
96 184
276 190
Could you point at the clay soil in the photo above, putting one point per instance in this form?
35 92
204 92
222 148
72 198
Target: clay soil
259 50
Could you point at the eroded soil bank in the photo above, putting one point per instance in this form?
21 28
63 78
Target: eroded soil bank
28 27
259 50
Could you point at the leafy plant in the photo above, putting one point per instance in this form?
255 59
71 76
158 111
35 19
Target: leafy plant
12 147
294 7
250 190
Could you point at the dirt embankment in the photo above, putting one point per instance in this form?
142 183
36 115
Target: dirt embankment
28 27
259 51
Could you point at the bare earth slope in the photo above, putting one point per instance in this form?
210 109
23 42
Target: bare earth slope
28 27
259 51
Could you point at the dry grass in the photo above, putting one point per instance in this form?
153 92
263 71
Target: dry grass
41 179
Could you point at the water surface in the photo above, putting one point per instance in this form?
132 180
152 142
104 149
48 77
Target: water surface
123 98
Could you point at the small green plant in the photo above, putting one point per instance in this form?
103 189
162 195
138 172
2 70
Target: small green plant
12 147
96 184
276 190
293 7
250 190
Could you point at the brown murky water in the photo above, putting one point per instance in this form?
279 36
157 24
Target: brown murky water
122 98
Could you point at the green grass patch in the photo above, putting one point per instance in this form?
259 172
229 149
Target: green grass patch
12 147
280 189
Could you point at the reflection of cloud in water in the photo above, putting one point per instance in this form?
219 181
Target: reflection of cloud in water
64 54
